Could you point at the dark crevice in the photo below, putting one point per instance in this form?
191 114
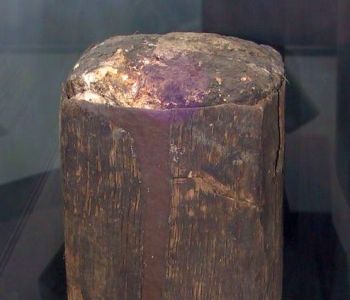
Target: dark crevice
278 161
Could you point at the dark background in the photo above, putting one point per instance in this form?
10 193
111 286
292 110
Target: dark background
41 39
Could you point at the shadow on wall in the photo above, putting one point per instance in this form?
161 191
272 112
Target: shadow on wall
315 263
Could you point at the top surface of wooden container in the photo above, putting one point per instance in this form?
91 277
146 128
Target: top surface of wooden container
175 70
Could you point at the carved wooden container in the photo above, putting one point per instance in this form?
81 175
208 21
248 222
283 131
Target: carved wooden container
172 152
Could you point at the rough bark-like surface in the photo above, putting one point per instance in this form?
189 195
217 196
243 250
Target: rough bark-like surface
172 152
175 70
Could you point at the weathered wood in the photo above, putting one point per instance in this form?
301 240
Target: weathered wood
172 154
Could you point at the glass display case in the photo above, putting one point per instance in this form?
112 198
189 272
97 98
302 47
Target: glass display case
41 40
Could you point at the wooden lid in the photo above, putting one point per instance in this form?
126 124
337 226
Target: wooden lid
175 70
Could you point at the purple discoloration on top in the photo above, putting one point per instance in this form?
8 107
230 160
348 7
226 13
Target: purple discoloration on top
179 82
175 70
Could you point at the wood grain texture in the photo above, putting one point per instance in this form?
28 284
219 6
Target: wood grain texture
225 221
179 201
103 236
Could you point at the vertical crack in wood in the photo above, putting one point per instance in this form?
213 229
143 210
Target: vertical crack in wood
280 124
